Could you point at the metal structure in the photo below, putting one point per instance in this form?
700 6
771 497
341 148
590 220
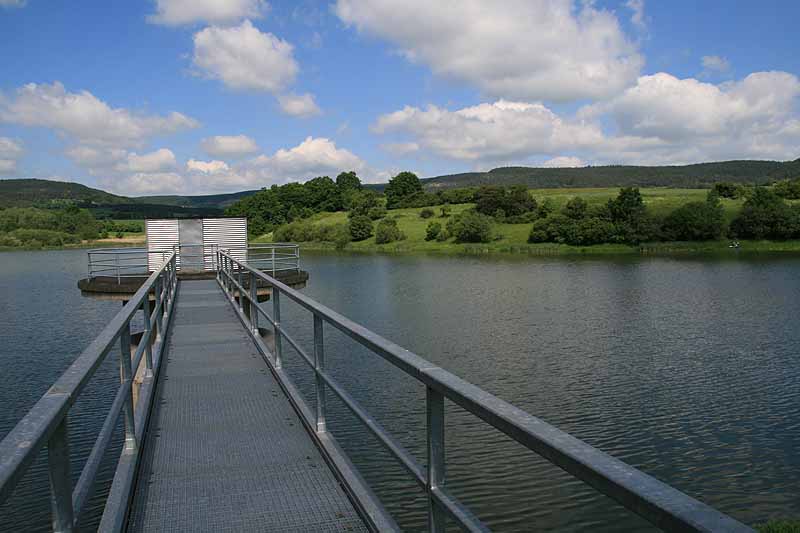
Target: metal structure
196 240
46 423
228 380
657 502
123 263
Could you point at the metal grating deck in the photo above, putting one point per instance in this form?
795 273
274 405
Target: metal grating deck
225 450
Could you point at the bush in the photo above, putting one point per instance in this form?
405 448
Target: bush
443 236
696 221
360 228
362 202
445 211
426 213
297 231
766 216
512 201
432 231
779 526
726 189
331 232
387 231
471 226
36 238
576 208
376 213
789 189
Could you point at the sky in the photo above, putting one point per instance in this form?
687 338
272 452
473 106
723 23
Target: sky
211 96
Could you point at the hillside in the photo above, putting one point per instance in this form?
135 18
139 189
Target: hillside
44 193
687 176
209 200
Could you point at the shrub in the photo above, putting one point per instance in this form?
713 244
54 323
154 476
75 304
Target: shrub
766 216
387 231
445 211
525 218
331 232
512 200
789 189
432 231
36 238
576 208
471 226
696 221
779 526
360 227
362 202
297 231
426 213
400 188
377 213
443 236
726 189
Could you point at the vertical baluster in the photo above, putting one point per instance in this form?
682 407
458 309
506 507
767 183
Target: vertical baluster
241 289
436 470
148 347
254 302
319 366
159 292
276 316
273 261
127 382
60 481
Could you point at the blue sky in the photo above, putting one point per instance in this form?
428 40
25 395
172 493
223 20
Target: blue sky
210 96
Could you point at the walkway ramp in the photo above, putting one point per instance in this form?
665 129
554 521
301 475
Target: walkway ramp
225 450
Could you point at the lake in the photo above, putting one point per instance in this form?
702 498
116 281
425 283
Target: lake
686 368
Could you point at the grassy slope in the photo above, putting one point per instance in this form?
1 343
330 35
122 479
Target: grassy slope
659 200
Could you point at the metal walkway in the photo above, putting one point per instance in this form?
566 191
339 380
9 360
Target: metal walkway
225 450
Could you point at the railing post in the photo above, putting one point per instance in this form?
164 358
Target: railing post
276 316
436 470
126 379
319 366
63 519
116 261
148 347
159 292
241 290
254 302
273 261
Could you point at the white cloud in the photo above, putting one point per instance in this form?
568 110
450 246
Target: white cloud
302 105
13 3
158 161
242 57
206 167
179 12
229 146
716 63
564 162
85 117
638 18
10 151
526 49
150 183
496 131
660 120
313 157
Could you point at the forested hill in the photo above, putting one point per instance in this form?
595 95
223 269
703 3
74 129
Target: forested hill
210 200
688 176
45 193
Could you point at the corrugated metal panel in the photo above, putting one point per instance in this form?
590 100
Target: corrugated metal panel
162 236
225 234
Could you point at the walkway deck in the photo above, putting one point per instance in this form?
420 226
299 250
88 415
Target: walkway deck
225 450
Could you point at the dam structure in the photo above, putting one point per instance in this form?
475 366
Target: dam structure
216 436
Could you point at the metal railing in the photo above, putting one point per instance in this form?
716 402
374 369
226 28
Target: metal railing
45 425
657 502
121 263
274 257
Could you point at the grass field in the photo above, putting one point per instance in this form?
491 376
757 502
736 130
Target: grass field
514 237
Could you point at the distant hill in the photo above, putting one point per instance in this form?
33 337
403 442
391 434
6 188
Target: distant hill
46 193
687 176
210 200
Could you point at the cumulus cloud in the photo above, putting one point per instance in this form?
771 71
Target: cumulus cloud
207 167
10 151
715 63
526 49
157 161
302 105
242 57
145 183
85 117
496 131
313 157
564 162
229 146
637 18
660 120
180 12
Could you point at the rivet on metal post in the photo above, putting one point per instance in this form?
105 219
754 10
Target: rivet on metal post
436 461
319 366
60 482
126 378
276 316
254 303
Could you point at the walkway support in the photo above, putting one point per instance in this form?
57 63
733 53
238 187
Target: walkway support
45 425
657 502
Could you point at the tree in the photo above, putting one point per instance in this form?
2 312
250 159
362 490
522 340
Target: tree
401 187
387 231
789 189
426 213
766 216
361 202
727 189
508 202
432 231
576 208
348 181
360 227
470 226
696 221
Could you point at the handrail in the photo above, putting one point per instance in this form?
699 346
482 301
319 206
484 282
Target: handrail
660 504
46 423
